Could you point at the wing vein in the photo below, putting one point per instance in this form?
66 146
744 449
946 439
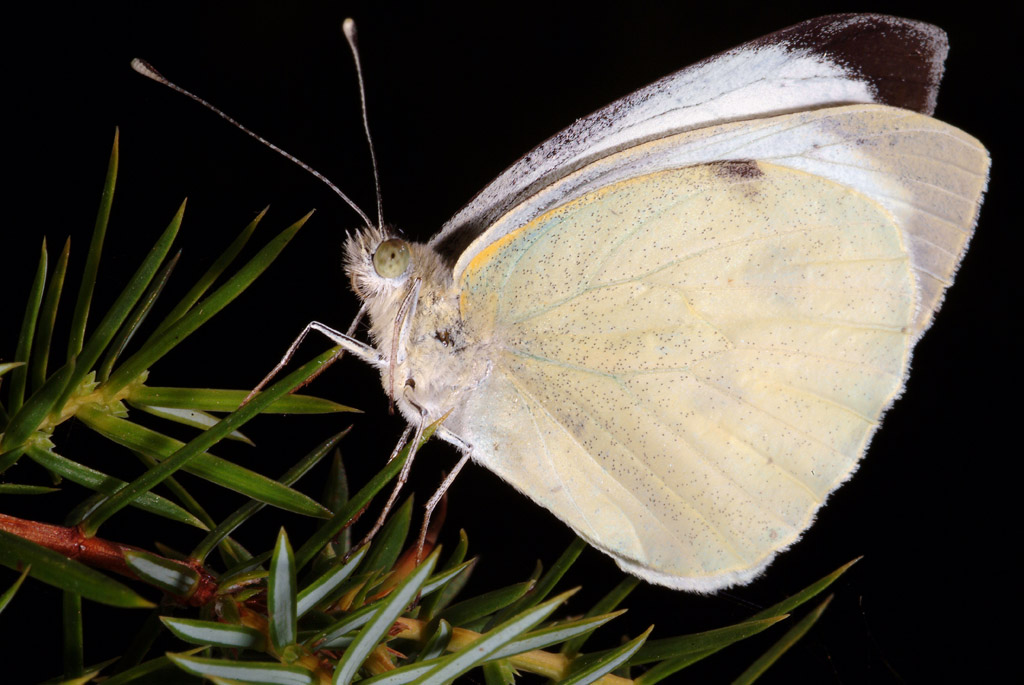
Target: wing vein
681 435
628 448
668 265
547 453
767 413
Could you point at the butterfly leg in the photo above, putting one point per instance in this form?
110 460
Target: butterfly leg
403 477
433 501
345 340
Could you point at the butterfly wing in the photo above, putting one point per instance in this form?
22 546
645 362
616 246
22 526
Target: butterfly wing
824 62
688 358
929 175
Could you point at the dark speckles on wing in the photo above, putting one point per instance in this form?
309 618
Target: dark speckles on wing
716 339
860 58
735 169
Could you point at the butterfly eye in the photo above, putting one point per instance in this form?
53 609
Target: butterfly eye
391 258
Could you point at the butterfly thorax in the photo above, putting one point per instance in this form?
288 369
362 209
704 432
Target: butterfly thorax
429 359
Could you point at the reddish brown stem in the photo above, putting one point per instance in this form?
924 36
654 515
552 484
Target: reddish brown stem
99 553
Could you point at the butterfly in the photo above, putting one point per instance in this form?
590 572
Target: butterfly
677 323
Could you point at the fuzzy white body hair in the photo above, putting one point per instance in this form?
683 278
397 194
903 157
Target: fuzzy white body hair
436 361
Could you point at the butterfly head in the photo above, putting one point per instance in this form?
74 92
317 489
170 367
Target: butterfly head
377 262
414 318
391 275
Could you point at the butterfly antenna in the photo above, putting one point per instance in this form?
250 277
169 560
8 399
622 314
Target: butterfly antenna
147 70
348 27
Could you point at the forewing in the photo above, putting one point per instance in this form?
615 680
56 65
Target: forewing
929 175
686 363
824 62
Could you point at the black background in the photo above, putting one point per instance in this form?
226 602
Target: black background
455 95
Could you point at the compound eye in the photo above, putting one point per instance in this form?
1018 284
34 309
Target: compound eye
391 258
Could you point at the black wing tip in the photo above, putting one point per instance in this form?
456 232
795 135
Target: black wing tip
901 59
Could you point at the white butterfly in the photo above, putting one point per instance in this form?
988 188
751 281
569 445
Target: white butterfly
677 323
